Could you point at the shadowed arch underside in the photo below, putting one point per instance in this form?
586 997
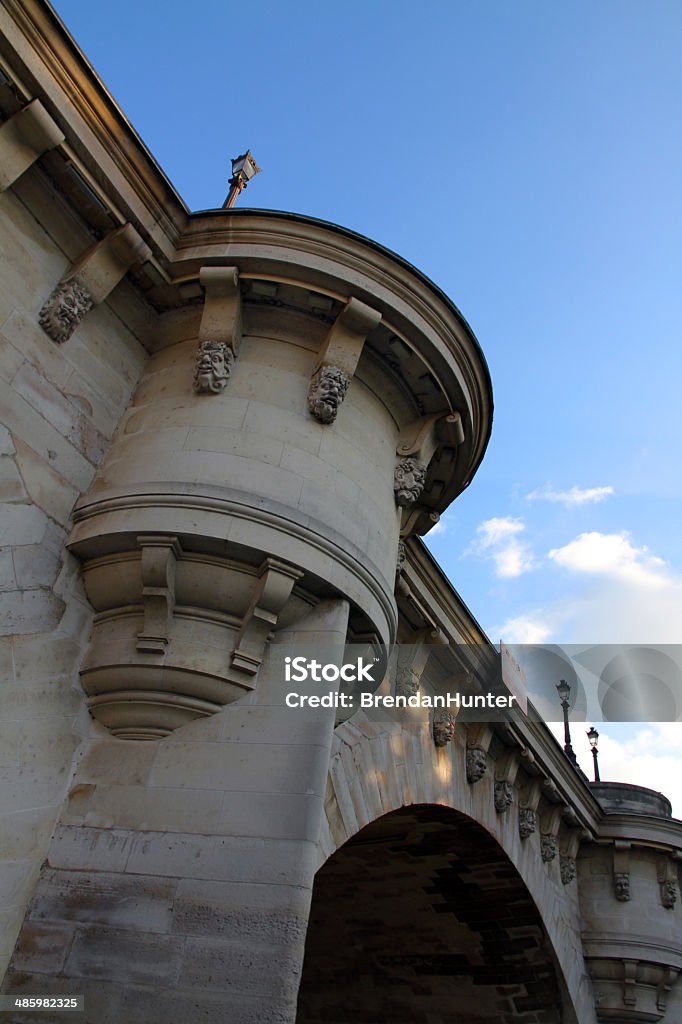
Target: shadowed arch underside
421 918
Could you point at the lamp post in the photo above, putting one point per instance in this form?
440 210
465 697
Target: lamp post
593 737
244 168
564 691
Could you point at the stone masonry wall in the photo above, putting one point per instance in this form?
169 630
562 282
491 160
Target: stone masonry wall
59 406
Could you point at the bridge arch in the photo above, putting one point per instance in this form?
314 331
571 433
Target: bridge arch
402 804
421 917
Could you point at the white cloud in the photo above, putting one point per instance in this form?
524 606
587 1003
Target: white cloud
572 497
650 758
497 539
524 629
611 554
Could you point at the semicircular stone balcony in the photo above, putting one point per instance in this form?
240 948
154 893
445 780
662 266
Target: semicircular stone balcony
310 400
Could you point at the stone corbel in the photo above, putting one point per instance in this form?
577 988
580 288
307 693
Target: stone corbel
23 138
569 845
443 726
220 330
90 280
666 871
416 447
506 770
621 870
338 359
275 582
412 658
159 555
479 738
528 808
550 823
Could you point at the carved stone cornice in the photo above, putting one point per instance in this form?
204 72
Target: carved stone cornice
275 582
621 870
411 659
415 450
23 138
90 280
221 316
336 363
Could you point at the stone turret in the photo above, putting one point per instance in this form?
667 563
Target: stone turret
311 399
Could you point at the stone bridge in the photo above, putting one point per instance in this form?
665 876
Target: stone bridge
225 435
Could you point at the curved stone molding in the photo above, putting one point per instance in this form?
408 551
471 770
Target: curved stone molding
409 480
166 621
327 391
567 869
528 822
213 367
503 796
443 727
629 988
549 847
63 311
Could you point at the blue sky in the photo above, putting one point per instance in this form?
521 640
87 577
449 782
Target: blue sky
528 157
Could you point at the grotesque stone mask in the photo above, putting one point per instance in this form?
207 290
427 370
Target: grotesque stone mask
213 366
621 885
409 480
64 310
476 763
549 847
443 727
327 391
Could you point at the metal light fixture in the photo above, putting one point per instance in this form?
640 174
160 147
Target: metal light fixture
244 168
593 737
564 691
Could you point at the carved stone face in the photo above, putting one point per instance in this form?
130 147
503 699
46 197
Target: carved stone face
527 822
443 727
549 847
213 366
64 310
406 681
669 894
567 869
621 885
327 391
409 480
476 764
504 795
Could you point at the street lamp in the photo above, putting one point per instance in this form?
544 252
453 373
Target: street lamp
244 168
564 691
593 737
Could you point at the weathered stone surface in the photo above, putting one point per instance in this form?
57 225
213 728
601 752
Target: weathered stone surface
130 957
